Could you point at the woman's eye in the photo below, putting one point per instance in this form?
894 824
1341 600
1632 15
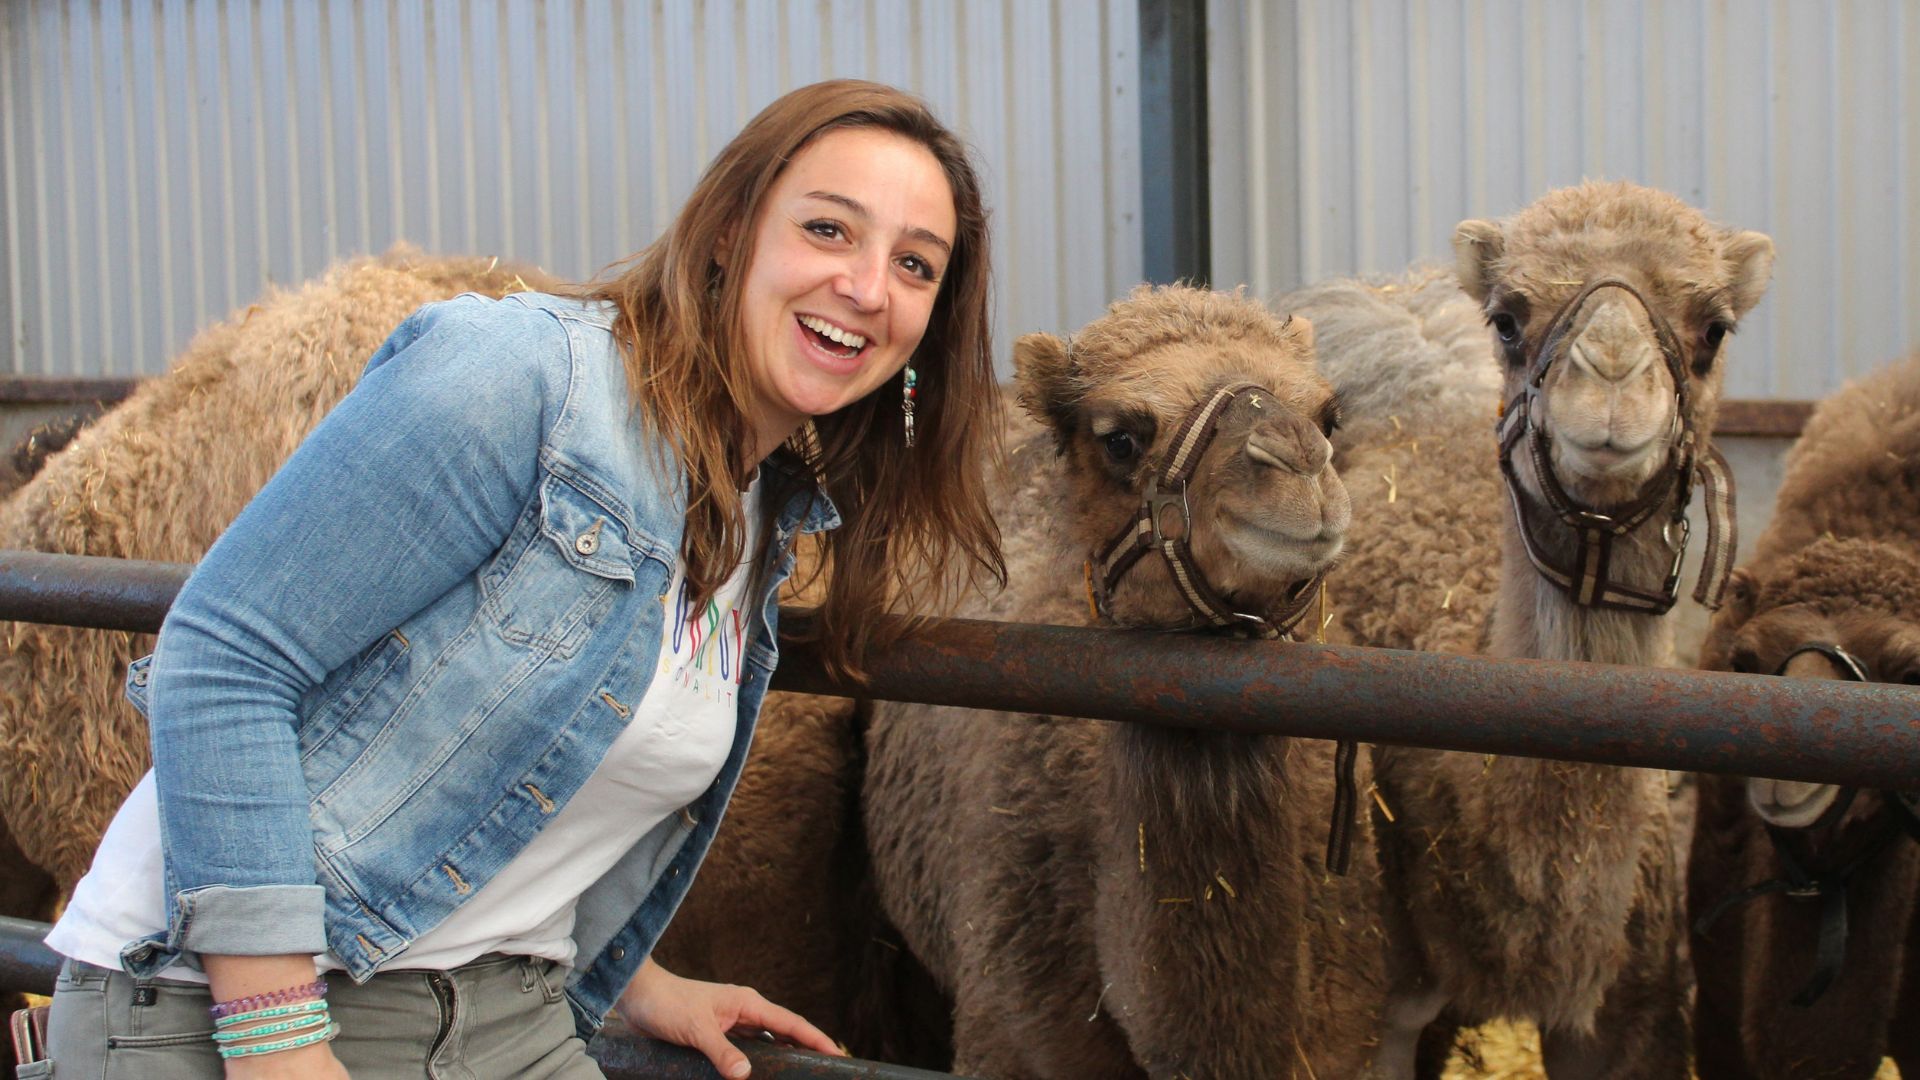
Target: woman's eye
1505 326
826 230
1120 446
918 267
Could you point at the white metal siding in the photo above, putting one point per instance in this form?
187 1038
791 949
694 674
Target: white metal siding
1351 135
164 159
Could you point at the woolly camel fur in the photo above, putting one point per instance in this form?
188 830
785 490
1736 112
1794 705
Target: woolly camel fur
1124 900
1526 889
161 475
1839 565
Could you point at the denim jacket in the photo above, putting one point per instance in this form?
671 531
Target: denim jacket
415 644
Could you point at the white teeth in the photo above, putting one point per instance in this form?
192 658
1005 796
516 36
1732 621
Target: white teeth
833 333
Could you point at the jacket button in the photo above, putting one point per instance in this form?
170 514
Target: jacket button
618 952
139 676
588 543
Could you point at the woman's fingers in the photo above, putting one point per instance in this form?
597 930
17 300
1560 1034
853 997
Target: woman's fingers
758 1012
726 1057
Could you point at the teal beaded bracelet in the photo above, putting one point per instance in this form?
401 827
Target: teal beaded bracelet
325 1035
301 1023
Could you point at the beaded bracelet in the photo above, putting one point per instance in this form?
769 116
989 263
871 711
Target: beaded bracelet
300 1024
326 1035
226 1023
282 1027
314 989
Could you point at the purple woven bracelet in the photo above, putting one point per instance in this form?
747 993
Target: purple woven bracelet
315 989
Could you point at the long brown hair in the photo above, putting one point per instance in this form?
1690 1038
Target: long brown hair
907 515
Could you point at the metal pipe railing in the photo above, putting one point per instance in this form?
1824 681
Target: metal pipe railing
28 966
1866 735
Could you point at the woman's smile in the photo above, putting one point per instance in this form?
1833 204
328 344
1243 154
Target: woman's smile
834 348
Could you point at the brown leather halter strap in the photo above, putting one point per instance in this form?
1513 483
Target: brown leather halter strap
1166 492
1589 580
1148 530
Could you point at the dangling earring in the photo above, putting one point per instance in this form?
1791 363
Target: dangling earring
906 401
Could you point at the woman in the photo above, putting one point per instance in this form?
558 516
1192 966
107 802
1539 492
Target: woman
456 703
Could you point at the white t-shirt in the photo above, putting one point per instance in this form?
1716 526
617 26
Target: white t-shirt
667 756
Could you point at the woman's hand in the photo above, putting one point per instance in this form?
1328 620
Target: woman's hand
700 1014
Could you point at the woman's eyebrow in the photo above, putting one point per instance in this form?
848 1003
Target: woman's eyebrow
860 210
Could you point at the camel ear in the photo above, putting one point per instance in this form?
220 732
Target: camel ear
1300 328
1749 257
1477 245
1716 650
1742 590
1043 375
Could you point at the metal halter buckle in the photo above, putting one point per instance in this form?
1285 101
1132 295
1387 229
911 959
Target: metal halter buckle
1156 501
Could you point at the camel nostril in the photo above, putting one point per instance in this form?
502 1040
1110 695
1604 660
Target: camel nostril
1277 454
1304 452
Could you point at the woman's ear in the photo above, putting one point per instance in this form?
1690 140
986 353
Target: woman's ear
723 245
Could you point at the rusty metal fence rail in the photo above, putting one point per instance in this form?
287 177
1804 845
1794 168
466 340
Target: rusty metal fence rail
1866 735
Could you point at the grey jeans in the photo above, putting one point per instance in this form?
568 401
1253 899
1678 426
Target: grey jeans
499 1017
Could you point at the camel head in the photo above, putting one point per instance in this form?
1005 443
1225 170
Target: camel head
1607 395
1859 597
1265 511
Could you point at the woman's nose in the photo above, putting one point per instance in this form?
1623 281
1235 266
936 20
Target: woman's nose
863 281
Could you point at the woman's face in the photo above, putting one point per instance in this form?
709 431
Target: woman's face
848 254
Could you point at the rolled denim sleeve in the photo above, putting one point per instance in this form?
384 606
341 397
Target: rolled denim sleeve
402 492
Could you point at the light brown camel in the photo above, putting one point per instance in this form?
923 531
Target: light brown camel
1834 584
1123 900
779 903
1527 888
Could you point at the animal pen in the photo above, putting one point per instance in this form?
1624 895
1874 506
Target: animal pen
1855 734
1266 155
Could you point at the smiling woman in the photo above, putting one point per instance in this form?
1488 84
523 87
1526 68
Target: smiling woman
849 255
454 707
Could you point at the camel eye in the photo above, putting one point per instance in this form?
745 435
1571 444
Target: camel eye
1330 417
1120 446
1746 662
1505 326
1710 339
1911 678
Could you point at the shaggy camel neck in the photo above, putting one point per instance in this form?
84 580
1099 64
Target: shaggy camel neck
1211 864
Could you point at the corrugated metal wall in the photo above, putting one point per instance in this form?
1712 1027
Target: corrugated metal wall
1352 135
164 159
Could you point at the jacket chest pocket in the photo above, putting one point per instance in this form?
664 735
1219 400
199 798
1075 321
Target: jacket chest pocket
560 573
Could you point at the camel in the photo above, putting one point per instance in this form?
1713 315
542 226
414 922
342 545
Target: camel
1525 888
779 903
1130 900
1832 592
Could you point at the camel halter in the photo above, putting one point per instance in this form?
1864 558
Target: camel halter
1166 493
1589 581
1796 849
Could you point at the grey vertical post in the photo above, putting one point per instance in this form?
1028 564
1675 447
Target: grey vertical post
1173 140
